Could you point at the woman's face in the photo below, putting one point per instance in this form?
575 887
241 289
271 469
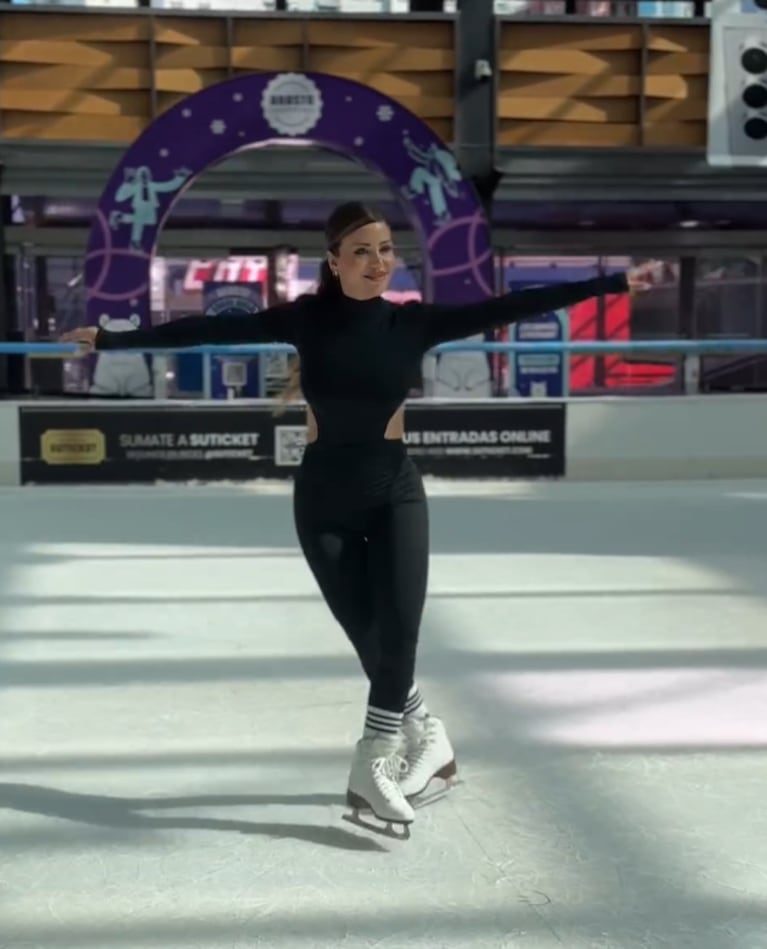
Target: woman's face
365 261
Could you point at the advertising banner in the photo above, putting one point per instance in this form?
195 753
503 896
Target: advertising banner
111 444
116 444
503 440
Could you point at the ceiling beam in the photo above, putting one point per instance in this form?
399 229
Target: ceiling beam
622 175
194 242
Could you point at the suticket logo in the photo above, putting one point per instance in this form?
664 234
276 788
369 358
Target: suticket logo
73 446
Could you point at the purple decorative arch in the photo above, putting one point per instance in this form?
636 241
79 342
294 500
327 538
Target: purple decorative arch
263 109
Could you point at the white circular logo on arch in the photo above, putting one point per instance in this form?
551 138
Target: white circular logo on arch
292 104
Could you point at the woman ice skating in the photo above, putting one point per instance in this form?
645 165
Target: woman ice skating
359 503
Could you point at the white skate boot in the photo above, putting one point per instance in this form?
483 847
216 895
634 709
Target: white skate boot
429 755
374 784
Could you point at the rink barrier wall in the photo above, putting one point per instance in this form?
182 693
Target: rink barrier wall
671 438
595 439
10 466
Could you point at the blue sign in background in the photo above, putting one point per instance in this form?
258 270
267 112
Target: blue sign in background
246 298
218 298
538 375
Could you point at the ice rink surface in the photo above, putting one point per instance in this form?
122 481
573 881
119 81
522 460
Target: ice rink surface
178 709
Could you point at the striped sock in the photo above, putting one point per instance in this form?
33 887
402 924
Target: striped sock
379 721
415 706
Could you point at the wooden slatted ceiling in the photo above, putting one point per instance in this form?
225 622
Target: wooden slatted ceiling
190 55
413 62
93 82
560 84
580 85
676 87
81 77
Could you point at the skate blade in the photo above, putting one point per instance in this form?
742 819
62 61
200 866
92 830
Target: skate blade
432 796
387 831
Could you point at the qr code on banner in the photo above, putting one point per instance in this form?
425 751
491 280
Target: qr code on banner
289 443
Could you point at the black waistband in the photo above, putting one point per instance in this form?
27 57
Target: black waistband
378 446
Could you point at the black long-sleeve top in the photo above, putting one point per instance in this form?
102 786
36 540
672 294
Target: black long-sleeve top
359 357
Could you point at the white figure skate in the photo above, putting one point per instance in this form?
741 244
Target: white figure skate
429 755
374 786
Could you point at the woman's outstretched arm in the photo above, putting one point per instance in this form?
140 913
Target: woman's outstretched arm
445 322
275 325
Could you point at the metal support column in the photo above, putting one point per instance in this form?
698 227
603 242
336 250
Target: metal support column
690 365
475 95
7 286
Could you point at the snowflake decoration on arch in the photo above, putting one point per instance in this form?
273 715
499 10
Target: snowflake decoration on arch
218 126
385 113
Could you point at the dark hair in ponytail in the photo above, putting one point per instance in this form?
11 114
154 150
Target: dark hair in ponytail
346 219
327 284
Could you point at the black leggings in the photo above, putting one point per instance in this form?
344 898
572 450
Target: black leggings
362 523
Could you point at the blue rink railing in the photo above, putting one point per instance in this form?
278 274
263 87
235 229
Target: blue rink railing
691 351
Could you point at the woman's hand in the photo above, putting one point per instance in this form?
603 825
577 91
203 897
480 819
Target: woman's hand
84 336
645 276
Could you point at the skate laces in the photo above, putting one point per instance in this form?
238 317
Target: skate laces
426 741
387 772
